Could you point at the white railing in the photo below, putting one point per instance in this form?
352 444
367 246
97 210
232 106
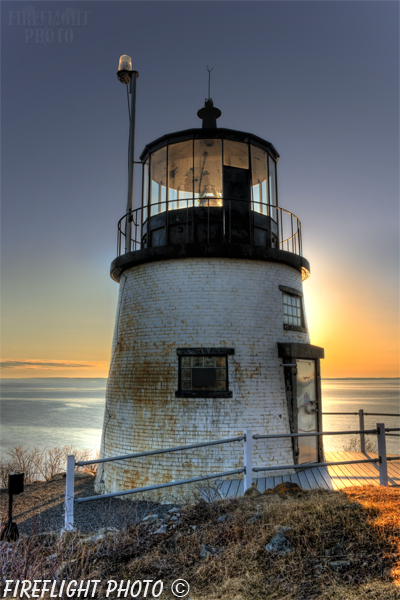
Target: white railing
247 468
361 414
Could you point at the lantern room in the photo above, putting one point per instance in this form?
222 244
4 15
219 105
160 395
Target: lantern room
209 192
209 185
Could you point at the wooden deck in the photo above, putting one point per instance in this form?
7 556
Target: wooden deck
329 478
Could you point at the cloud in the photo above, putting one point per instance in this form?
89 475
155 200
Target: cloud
41 364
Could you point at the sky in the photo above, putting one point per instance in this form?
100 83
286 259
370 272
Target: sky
319 80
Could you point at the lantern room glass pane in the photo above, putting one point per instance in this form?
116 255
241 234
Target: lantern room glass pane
236 154
208 172
145 199
259 180
158 181
180 175
272 185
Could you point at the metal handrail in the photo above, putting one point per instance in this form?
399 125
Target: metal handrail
239 438
365 414
324 464
160 485
289 233
312 434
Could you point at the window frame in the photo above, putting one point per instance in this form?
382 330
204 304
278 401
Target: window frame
182 352
294 294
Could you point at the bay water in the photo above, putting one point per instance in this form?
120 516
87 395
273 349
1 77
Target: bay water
64 411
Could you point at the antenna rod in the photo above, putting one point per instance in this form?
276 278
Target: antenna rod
209 81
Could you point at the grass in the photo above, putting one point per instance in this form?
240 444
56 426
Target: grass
359 524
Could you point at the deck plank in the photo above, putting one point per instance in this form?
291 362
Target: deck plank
333 478
269 483
321 483
261 484
393 469
323 471
303 481
314 485
369 469
294 478
337 475
353 472
348 472
224 489
234 488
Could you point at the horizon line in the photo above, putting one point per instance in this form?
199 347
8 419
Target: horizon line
99 377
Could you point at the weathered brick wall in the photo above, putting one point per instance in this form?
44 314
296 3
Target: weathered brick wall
195 302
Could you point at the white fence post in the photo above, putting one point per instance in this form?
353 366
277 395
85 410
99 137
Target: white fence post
248 459
362 435
383 473
69 493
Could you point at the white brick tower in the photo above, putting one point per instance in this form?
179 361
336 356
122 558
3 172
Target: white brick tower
211 334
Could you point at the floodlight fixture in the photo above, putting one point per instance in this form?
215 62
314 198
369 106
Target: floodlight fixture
124 69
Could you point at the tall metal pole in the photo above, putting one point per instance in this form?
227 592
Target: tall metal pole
131 158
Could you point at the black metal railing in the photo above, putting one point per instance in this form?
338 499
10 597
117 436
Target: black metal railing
282 229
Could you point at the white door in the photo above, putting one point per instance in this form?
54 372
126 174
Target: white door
307 410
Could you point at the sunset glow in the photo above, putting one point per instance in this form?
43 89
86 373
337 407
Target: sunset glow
326 98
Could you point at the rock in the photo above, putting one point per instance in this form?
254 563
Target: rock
107 530
224 518
99 535
206 551
337 550
288 488
255 518
67 532
174 518
83 475
282 528
170 545
150 519
174 510
252 491
279 544
162 529
339 565
91 539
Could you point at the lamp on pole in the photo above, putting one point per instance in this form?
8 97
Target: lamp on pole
127 76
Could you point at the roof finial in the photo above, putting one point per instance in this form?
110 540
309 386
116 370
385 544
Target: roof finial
209 114
209 81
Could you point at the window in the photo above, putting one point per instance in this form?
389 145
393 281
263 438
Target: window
203 372
292 310
293 316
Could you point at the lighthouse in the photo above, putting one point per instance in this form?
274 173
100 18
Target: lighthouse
211 332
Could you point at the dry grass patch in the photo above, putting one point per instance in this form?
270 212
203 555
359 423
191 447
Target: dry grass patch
360 526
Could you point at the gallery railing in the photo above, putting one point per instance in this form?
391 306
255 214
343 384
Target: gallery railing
283 228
